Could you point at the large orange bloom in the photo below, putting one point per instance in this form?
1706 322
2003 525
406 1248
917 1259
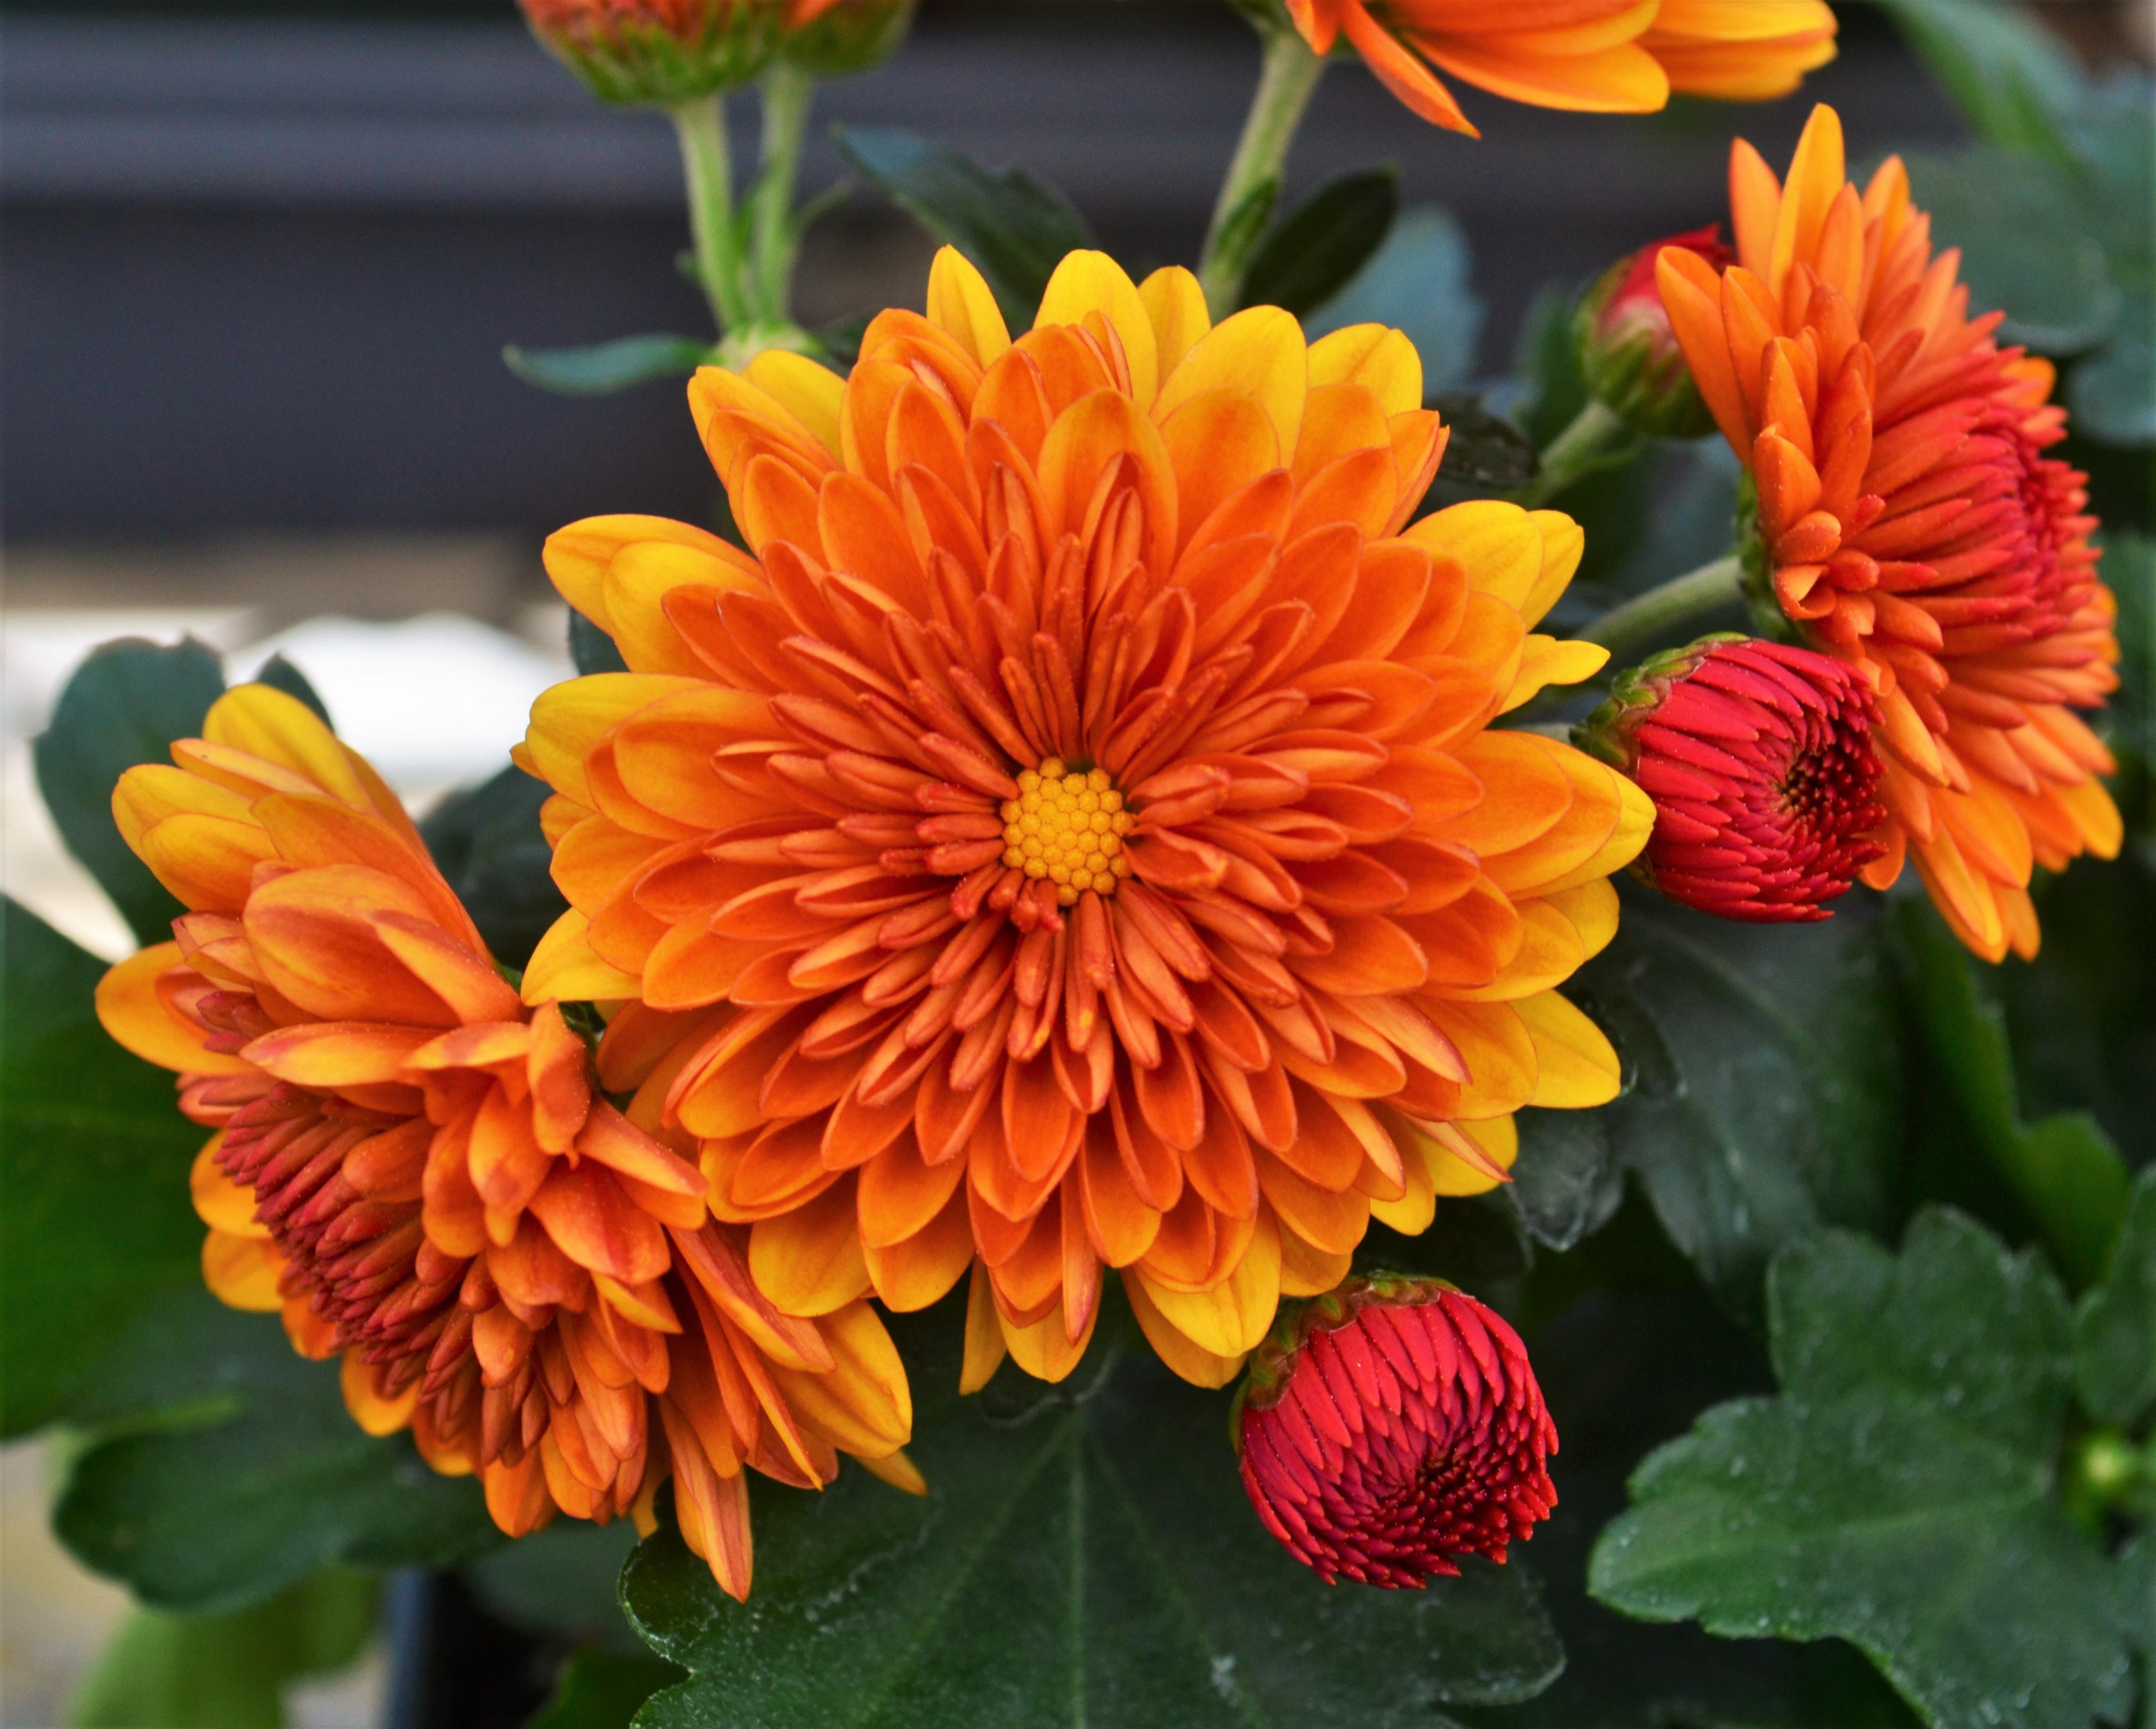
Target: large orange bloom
1911 523
1599 56
1073 839
418 1173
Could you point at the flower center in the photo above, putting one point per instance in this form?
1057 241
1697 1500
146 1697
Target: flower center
1067 825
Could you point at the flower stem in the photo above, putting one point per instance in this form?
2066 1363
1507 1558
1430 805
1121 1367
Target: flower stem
1595 432
786 92
1285 86
702 125
1625 630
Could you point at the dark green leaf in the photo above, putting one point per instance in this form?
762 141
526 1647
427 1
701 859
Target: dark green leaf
1899 1494
2129 568
227 1467
561 1583
1418 282
278 674
2025 240
123 705
1095 1561
227 1671
1317 248
1623 1370
590 649
2011 78
1764 1092
605 368
1014 227
488 842
2063 1169
2112 394
1567 1182
599 1689
94 1160
2115 1324
1485 455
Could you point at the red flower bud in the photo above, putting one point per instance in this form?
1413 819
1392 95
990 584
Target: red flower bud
1759 759
1393 1424
835 39
1627 353
659 52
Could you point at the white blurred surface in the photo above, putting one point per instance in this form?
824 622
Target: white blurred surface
434 702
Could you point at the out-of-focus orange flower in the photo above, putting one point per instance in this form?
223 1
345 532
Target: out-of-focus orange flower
1909 523
1074 839
418 1173
1598 56
1740 50
662 52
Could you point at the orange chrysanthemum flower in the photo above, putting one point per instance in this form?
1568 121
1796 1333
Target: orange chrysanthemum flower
417 1171
1073 839
1910 524
1740 50
1597 56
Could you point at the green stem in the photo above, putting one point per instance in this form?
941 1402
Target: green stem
1290 75
1626 629
786 92
702 125
1594 432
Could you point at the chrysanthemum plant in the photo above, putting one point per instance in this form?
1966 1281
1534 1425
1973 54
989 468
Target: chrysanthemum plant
982 1113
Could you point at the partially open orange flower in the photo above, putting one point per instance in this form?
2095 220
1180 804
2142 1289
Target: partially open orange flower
1074 839
1909 523
1599 56
418 1173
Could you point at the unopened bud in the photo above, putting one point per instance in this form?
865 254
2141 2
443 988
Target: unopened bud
1760 760
1391 1426
1627 353
659 53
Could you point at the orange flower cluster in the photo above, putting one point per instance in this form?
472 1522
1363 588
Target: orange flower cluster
1073 839
1599 56
417 1171
1910 524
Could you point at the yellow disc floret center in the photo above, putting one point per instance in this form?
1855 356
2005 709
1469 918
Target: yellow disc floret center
1067 824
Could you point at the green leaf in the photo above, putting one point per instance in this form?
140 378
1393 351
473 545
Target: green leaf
2013 80
599 1689
605 368
1764 1096
227 1671
1094 1562
2129 568
93 1161
2063 1169
1900 1493
1486 456
1418 282
591 649
2025 240
123 705
1015 228
488 843
1317 248
2112 394
1566 1183
561 1583
225 1466
2115 1324
1623 1369
278 674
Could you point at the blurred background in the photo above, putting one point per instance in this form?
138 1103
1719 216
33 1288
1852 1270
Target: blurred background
258 264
